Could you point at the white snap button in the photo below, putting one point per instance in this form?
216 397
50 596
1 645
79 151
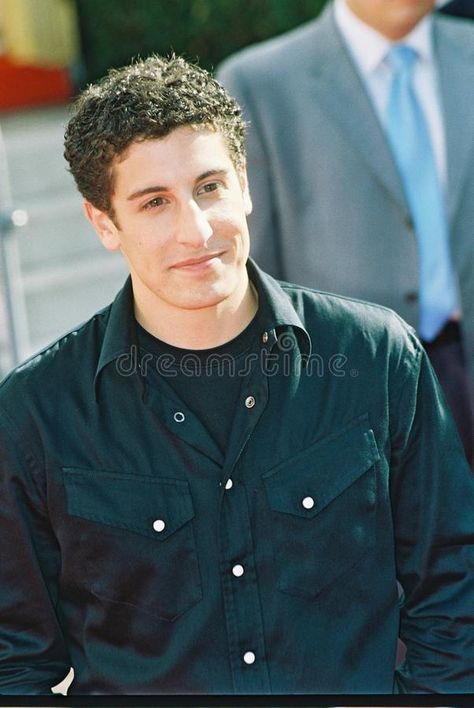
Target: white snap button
249 657
238 570
265 337
249 402
229 484
308 502
159 525
178 417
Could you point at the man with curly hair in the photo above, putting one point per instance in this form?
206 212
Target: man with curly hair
222 483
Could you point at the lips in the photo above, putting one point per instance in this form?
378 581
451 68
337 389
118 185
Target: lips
201 260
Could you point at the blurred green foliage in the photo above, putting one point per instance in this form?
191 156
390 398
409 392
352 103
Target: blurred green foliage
115 31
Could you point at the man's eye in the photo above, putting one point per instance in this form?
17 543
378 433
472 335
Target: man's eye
209 187
154 203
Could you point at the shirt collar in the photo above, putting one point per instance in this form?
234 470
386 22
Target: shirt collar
275 307
120 335
369 48
421 38
120 330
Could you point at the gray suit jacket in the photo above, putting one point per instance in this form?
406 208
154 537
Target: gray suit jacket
329 209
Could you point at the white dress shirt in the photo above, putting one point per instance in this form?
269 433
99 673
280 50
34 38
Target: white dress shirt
368 49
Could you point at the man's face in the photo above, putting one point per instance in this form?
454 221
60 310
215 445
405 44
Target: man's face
392 18
180 211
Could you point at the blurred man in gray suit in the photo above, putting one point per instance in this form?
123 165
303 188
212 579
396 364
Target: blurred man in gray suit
361 164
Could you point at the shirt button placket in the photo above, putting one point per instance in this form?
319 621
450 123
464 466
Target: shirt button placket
241 596
242 601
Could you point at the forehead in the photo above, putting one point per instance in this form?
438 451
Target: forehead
184 152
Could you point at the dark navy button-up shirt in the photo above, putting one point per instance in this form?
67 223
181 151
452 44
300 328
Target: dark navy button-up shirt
136 551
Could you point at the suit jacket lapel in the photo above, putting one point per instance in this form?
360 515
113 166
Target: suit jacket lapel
455 77
340 91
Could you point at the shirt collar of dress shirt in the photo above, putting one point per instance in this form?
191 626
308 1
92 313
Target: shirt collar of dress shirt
120 330
369 48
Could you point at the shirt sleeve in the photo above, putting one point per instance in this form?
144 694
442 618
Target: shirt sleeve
432 491
33 657
263 221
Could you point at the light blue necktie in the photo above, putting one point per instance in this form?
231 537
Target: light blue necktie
409 137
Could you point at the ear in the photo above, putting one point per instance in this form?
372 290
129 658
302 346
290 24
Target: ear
104 226
244 183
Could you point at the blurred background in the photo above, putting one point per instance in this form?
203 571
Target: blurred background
53 270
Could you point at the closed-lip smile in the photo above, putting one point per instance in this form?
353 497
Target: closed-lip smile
196 261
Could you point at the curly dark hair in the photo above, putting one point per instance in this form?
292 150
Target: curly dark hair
147 99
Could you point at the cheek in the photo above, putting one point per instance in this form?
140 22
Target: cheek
149 240
233 230
230 215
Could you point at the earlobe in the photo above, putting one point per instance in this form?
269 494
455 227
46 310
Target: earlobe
103 225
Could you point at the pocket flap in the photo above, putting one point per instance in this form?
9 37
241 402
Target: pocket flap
307 483
146 505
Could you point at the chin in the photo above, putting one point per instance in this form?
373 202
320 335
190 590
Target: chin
194 299
200 304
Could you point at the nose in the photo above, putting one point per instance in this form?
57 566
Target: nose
194 228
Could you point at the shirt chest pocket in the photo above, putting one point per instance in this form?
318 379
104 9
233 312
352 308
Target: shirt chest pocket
322 505
132 540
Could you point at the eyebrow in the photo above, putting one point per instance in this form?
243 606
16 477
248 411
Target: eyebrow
152 189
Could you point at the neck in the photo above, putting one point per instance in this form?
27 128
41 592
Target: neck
203 328
393 23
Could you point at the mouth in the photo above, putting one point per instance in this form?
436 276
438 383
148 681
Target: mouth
199 263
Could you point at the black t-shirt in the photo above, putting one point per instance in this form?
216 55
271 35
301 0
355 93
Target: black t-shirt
207 380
